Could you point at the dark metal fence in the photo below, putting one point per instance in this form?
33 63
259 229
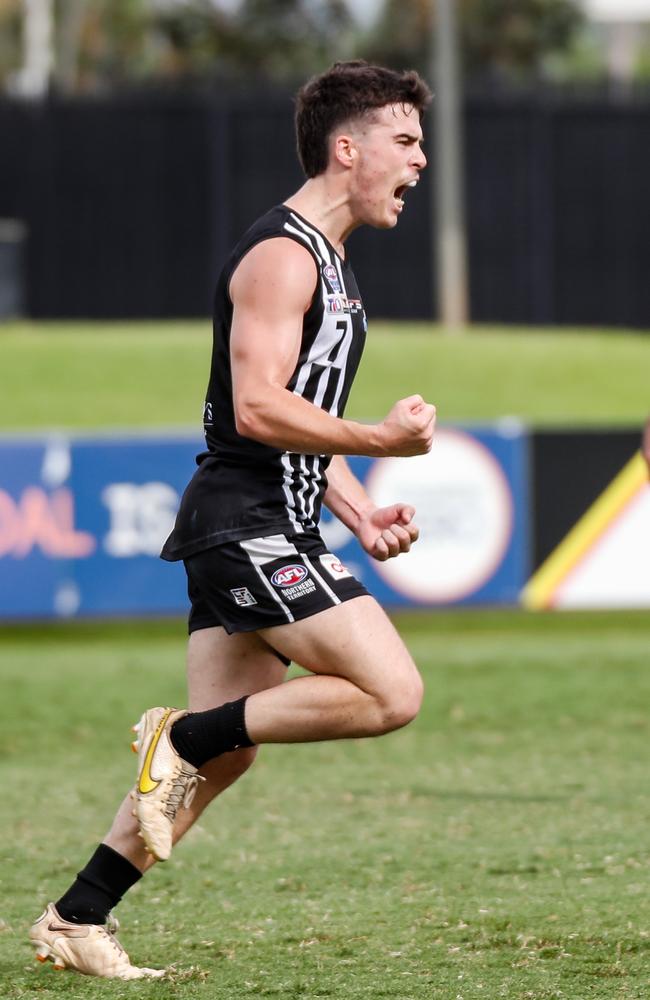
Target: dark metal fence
131 204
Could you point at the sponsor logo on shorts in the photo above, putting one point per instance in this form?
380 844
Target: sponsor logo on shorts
331 276
243 597
334 566
289 576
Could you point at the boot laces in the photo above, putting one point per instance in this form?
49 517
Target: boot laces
109 933
182 792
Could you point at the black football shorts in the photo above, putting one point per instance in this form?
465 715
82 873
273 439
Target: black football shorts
255 583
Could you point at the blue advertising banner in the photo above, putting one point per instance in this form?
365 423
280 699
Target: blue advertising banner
82 521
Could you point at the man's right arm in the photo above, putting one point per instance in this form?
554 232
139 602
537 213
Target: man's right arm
271 291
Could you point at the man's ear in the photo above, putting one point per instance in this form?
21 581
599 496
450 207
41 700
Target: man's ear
345 150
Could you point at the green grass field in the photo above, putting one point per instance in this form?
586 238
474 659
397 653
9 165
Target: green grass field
154 375
498 847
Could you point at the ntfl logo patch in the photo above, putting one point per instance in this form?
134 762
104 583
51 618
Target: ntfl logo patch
289 576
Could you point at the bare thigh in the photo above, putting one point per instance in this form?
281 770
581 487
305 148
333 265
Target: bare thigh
355 640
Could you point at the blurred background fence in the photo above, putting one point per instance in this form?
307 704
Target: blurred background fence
131 202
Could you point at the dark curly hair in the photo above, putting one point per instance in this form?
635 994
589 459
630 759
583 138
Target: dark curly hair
348 91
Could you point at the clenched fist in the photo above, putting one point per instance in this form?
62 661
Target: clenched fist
384 532
408 428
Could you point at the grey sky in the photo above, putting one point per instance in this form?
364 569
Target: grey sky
602 10
364 10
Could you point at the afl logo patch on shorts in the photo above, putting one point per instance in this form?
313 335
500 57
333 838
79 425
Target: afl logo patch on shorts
289 576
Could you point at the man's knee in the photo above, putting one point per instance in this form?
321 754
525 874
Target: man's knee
401 703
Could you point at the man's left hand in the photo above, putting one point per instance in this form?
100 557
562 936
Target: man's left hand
386 531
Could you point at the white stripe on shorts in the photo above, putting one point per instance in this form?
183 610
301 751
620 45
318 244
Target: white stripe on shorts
264 550
326 587
269 547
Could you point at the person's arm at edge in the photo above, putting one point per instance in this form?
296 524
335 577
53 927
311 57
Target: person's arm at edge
271 291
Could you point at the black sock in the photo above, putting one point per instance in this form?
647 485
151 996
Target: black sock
98 887
200 736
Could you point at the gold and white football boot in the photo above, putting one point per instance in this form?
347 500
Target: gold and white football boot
91 949
165 780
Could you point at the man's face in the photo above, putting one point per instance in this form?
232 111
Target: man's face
388 162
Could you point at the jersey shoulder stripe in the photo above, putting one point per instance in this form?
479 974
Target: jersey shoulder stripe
316 239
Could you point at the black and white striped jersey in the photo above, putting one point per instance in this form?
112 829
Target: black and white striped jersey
245 489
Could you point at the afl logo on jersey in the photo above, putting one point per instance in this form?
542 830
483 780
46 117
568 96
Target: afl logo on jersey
289 576
332 278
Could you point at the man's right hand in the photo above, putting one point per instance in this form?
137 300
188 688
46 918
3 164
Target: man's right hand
408 428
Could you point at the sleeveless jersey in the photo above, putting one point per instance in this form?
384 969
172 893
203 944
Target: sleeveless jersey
243 488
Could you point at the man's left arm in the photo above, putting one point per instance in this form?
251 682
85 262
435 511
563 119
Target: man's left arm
383 532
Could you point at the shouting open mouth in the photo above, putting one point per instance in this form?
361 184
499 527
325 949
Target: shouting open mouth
399 192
